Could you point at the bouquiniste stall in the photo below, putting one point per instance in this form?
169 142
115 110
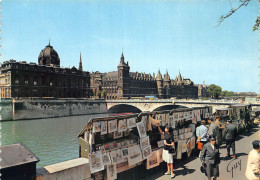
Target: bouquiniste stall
118 143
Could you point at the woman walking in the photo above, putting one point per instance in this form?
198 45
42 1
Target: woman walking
168 149
210 156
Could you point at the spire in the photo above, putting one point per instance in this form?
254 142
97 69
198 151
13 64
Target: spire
122 58
166 76
159 76
179 76
80 63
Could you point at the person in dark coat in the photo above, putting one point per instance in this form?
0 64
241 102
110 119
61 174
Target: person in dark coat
210 156
214 130
230 136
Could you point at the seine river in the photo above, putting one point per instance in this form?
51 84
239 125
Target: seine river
51 140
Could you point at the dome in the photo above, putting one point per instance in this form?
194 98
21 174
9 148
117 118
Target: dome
49 56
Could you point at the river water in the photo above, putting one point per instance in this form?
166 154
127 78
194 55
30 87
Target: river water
51 140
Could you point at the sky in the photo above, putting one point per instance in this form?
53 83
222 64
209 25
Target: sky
177 35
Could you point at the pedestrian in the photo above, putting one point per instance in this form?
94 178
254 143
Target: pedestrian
230 136
213 130
168 149
210 157
253 160
247 119
201 133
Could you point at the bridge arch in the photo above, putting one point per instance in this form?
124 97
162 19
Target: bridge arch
123 108
167 107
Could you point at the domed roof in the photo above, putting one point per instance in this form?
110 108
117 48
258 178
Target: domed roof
49 56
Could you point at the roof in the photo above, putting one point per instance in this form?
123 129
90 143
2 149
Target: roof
16 154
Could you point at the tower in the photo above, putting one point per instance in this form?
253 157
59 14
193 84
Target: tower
123 77
166 84
80 63
159 81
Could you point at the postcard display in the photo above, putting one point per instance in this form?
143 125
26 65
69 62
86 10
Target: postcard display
114 147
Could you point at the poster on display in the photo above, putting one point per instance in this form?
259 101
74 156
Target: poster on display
145 121
135 155
160 143
184 146
180 116
118 135
111 172
192 127
175 116
96 163
171 121
206 115
116 156
141 129
179 150
191 113
186 115
175 135
124 152
188 147
194 121
152 161
192 142
159 155
167 118
144 142
131 122
122 125
96 127
163 119
103 127
147 151
106 159
198 118
112 126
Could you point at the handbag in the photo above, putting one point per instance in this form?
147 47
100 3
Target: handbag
200 145
172 150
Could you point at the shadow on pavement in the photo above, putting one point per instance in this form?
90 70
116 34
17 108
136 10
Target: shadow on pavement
183 171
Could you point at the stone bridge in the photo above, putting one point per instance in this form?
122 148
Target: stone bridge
151 105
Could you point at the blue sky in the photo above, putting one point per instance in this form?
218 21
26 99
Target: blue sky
174 34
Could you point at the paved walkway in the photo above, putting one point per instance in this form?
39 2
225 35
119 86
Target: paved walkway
231 169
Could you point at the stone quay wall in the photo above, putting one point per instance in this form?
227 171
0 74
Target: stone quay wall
43 108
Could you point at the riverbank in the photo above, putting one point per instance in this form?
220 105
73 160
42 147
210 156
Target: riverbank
26 109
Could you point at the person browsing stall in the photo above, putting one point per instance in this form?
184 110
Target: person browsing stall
201 133
230 135
168 149
210 157
213 130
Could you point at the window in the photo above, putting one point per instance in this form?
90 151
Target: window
26 81
16 81
51 83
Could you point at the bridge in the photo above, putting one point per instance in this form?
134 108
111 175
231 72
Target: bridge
152 105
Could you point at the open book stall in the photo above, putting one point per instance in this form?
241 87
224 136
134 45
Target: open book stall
118 143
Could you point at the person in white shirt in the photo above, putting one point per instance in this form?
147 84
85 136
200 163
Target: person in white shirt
253 160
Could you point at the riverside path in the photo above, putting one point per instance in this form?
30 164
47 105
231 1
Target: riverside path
230 169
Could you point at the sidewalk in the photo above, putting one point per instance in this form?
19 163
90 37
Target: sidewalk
231 169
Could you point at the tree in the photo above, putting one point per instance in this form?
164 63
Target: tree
104 93
214 91
233 10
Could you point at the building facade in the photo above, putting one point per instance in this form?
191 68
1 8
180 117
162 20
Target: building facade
125 84
45 79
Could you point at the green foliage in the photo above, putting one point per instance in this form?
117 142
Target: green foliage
227 93
214 91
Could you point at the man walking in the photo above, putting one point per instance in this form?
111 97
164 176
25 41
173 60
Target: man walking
253 160
214 131
230 136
